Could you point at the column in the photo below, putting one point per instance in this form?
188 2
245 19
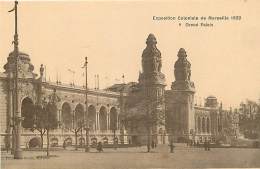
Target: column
200 125
108 121
196 125
210 126
73 119
59 117
98 126
206 124
117 121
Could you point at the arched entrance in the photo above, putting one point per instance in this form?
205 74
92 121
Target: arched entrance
92 117
103 118
27 111
113 119
66 115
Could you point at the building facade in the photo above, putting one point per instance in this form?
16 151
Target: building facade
103 106
129 112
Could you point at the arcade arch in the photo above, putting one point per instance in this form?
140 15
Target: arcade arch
92 117
113 118
66 115
103 118
79 115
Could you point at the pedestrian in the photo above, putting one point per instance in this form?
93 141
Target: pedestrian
64 145
205 145
208 146
100 147
171 146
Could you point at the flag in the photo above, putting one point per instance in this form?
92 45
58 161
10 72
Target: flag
71 71
16 3
12 9
84 65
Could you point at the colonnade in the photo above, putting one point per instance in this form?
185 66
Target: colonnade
203 125
101 118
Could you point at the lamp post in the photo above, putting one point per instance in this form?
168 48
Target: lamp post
86 114
17 114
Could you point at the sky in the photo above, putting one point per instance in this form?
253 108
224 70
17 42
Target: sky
224 58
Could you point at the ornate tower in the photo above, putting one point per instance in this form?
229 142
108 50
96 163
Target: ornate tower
182 99
152 82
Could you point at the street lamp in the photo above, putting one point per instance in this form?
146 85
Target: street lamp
17 114
86 114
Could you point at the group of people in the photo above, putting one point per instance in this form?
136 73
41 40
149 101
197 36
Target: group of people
193 143
99 146
206 144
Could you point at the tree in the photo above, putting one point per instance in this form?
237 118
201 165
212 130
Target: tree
153 118
145 113
46 117
249 118
77 127
39 122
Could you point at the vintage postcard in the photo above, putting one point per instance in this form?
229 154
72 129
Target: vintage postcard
130 84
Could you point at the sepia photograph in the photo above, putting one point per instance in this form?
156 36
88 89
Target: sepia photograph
129 84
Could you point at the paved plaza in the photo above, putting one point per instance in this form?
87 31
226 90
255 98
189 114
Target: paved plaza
183 157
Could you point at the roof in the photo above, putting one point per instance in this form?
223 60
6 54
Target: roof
123 87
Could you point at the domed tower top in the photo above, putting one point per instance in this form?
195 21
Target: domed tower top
25 66
211 101
182 72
